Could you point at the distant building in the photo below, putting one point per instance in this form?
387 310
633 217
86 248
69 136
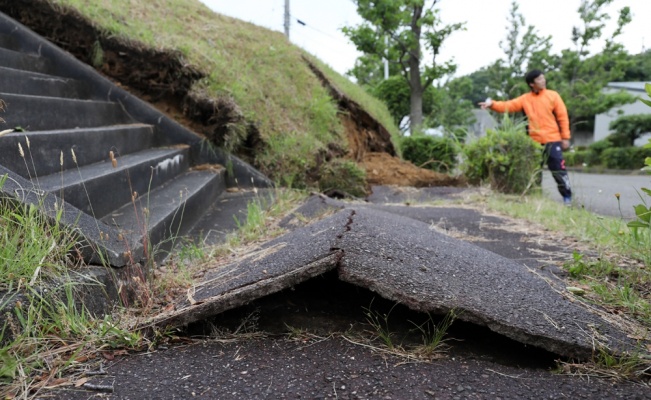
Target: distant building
483 121
602 121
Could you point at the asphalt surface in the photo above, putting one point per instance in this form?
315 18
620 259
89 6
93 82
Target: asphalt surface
502 279
596 192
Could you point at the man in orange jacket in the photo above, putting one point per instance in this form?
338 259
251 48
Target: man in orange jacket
549 125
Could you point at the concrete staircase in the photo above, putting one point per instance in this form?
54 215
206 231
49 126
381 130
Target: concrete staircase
130 179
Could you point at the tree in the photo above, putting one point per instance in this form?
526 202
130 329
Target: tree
639 68
629 128
444 105
521 50
368 71
580 77
450 107
404 31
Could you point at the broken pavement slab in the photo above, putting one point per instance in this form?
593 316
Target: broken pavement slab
405 260
279 264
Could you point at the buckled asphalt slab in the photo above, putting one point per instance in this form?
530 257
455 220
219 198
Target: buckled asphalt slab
397 252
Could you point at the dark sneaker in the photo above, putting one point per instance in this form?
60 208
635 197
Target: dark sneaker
567 201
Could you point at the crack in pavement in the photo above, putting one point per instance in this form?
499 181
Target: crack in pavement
403 260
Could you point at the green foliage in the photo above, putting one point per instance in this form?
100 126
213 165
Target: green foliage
380 324
401 31
253 227
432 152
577 158
343 175
580 266
639 68
288 168
394 92
433 333
450 108
624 157
47 331
481 82
575 73
628 128
97 55
506 158
444 105
580 77
643 211
31 244
522 47
599 146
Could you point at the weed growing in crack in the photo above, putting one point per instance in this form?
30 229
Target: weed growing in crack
604 364
433 333
379 322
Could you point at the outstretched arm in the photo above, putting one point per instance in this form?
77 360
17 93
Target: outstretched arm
510 106
486 103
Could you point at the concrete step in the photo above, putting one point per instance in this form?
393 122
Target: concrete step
27 62
91 145
33 83
38 113
98 189
9 42
169 211
227 214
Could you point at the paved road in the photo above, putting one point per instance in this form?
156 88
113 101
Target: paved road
597 192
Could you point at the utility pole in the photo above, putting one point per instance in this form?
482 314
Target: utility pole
287 19
386 57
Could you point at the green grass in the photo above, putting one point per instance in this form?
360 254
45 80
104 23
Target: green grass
616 276
48 335
604 233
45 331
32 246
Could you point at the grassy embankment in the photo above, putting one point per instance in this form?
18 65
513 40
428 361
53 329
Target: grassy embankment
258 69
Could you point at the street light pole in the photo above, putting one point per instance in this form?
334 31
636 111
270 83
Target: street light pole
287 19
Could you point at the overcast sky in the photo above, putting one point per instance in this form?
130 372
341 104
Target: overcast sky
472 49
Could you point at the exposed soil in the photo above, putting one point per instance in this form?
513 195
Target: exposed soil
383 169
164 79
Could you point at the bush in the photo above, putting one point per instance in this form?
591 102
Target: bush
619 158
625 157
599 146
506 158
432 152
577 158
343 175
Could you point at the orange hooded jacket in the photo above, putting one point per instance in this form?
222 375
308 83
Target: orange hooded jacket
546 112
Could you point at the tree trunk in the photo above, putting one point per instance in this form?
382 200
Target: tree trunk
415 83
416 97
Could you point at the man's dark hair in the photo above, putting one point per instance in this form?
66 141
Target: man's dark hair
531 75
